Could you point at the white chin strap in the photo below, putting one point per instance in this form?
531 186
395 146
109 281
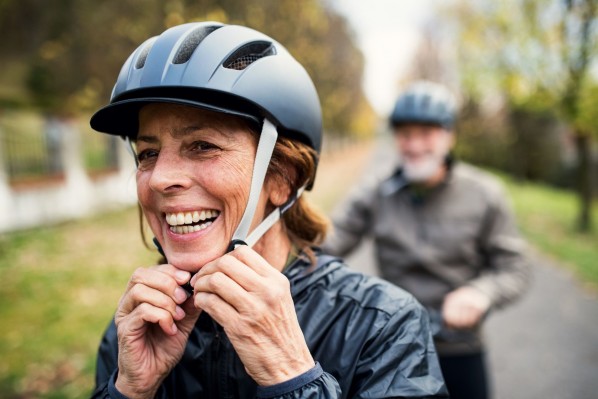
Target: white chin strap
263 155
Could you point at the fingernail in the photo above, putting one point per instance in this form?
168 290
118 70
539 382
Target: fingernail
174 329
180 295
182 275
180 313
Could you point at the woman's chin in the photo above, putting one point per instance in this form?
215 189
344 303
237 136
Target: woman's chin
192 262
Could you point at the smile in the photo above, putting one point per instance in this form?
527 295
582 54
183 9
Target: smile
190 222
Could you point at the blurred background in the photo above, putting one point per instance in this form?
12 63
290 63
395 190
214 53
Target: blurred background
526 74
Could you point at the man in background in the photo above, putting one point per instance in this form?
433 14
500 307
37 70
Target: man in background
443 231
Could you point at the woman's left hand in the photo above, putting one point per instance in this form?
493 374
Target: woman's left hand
252 301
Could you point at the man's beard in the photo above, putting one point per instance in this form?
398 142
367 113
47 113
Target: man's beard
424 169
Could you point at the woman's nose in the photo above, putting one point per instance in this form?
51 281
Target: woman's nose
168 174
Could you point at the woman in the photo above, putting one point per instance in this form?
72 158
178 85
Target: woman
226 128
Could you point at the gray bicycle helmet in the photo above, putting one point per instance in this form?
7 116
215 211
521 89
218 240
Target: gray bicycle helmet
223 68
425 102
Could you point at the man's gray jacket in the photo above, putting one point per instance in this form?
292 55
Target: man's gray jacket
461 232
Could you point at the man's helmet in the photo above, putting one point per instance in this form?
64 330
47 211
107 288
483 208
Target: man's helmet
426 103
223 68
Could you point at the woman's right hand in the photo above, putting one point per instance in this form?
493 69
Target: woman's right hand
153 321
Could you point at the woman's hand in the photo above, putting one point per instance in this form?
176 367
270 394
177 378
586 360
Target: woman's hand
153 320
464 307
252 301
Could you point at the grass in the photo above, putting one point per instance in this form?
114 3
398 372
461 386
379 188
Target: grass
547 218
59 289
60 286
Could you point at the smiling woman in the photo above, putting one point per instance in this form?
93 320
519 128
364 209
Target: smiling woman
194 161
226 128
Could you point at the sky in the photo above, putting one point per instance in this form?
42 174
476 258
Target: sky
388 33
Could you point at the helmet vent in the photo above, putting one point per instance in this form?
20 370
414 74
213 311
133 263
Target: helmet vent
248 54
191 42
143 56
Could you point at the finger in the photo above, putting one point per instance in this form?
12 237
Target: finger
471 316
144 314
181 276
462 316
157 275
143 294
274 286
222 312
164 278
254 260
235 269
227 289
450 312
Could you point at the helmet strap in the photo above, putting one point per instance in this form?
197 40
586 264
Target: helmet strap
265 148
272 218
132 150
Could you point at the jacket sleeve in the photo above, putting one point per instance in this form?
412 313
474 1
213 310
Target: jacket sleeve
351 221
106 364
507 266
313 384
400 361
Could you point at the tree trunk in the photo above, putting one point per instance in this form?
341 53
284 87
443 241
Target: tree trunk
583 143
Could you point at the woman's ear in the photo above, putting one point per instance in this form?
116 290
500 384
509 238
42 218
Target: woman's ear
279 190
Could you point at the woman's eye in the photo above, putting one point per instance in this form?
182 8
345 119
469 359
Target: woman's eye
202 146
146 155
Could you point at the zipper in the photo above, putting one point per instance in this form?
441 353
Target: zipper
216 344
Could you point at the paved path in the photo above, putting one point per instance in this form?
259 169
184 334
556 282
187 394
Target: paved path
545 345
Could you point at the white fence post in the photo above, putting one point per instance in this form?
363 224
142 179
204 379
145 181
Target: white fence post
76 196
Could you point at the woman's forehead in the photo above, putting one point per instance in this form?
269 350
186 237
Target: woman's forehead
180 120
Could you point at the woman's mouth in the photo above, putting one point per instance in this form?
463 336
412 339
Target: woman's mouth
190 222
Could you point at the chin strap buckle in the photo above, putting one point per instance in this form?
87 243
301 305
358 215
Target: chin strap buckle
234 244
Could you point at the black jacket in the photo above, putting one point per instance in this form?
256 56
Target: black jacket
369 338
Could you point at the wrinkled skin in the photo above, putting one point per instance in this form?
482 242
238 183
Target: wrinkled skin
190 160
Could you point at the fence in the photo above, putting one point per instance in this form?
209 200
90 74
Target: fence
53 170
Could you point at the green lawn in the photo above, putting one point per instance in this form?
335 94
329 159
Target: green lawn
59 289
547 218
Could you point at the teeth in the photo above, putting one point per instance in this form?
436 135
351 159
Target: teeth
188 218
189 229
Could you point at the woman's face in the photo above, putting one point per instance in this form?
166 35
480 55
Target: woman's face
193 180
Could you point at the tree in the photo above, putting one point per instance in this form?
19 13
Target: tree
71 58
537 59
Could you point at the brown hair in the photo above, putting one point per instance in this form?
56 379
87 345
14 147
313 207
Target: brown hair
295 164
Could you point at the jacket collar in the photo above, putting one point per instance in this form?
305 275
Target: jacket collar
302 273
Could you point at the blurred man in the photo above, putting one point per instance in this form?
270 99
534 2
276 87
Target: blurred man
442 230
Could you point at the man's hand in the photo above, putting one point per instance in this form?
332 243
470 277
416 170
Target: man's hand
464 307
